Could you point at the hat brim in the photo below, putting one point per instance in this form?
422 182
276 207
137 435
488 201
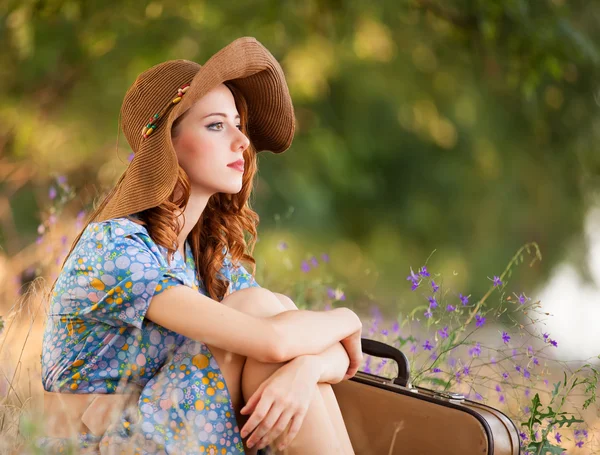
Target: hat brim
251 68
152 174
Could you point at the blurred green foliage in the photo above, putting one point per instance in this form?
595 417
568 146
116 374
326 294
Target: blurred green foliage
466 126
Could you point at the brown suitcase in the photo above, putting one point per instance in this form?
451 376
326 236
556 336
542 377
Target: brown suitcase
391 417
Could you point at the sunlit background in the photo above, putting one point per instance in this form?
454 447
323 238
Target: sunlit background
442 132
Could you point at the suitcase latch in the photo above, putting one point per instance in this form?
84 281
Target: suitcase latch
451 396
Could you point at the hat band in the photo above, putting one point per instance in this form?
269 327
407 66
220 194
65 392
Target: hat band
153 122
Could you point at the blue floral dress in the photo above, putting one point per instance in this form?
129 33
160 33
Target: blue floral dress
96 337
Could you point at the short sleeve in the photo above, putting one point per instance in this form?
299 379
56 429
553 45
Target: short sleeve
116 274
238 276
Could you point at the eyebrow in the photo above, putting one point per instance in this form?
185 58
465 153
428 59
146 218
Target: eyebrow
220 114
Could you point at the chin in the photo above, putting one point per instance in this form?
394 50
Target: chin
233 189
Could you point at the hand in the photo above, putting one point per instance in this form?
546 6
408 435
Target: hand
280 400
353 346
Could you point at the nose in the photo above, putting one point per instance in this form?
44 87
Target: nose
241 142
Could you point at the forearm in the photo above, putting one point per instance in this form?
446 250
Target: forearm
334 363
304 332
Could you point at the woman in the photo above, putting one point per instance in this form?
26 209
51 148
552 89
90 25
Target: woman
157 336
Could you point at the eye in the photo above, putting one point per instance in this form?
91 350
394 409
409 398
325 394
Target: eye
212 126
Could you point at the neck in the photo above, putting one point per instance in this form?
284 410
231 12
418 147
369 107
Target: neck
193 212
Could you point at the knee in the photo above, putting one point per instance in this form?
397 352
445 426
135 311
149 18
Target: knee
286 301
256 301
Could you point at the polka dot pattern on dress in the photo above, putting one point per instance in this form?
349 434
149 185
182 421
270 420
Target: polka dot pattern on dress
96 338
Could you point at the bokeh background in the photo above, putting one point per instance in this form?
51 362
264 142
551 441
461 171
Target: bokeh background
441 132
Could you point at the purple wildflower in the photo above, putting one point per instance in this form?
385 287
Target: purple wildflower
501 398
505 337
428 313
466 370
498 388
546 335
557 437
444 332
476 350
52 193
514 352
554 343
325 257
479 320
505 375
130 157
432 302
427 346
380 367
314 261
396 327
423 271
434 286
464 299
384 332
579 444
527 393
330 293
282 246
523 299
497 281
413 348
437 370
305 267
523 435
412 276
450 308
526 373
536 361
478 396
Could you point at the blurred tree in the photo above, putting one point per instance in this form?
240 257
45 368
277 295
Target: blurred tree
469 126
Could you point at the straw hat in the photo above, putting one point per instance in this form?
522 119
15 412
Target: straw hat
164 92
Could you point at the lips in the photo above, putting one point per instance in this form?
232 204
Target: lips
238 165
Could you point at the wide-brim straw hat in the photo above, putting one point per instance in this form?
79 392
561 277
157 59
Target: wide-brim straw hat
168 90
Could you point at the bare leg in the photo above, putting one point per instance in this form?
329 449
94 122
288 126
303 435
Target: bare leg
323 429
317 433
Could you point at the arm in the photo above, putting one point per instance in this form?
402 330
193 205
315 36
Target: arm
271 340
333 362
304 332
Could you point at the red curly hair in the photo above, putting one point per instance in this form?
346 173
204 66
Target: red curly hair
222 225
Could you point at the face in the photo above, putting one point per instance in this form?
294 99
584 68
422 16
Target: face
208 140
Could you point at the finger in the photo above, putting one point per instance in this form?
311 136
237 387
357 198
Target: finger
296 424
253 400
265 426
277 429
260 412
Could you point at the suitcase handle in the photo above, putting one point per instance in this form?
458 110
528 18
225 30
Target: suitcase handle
385 351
